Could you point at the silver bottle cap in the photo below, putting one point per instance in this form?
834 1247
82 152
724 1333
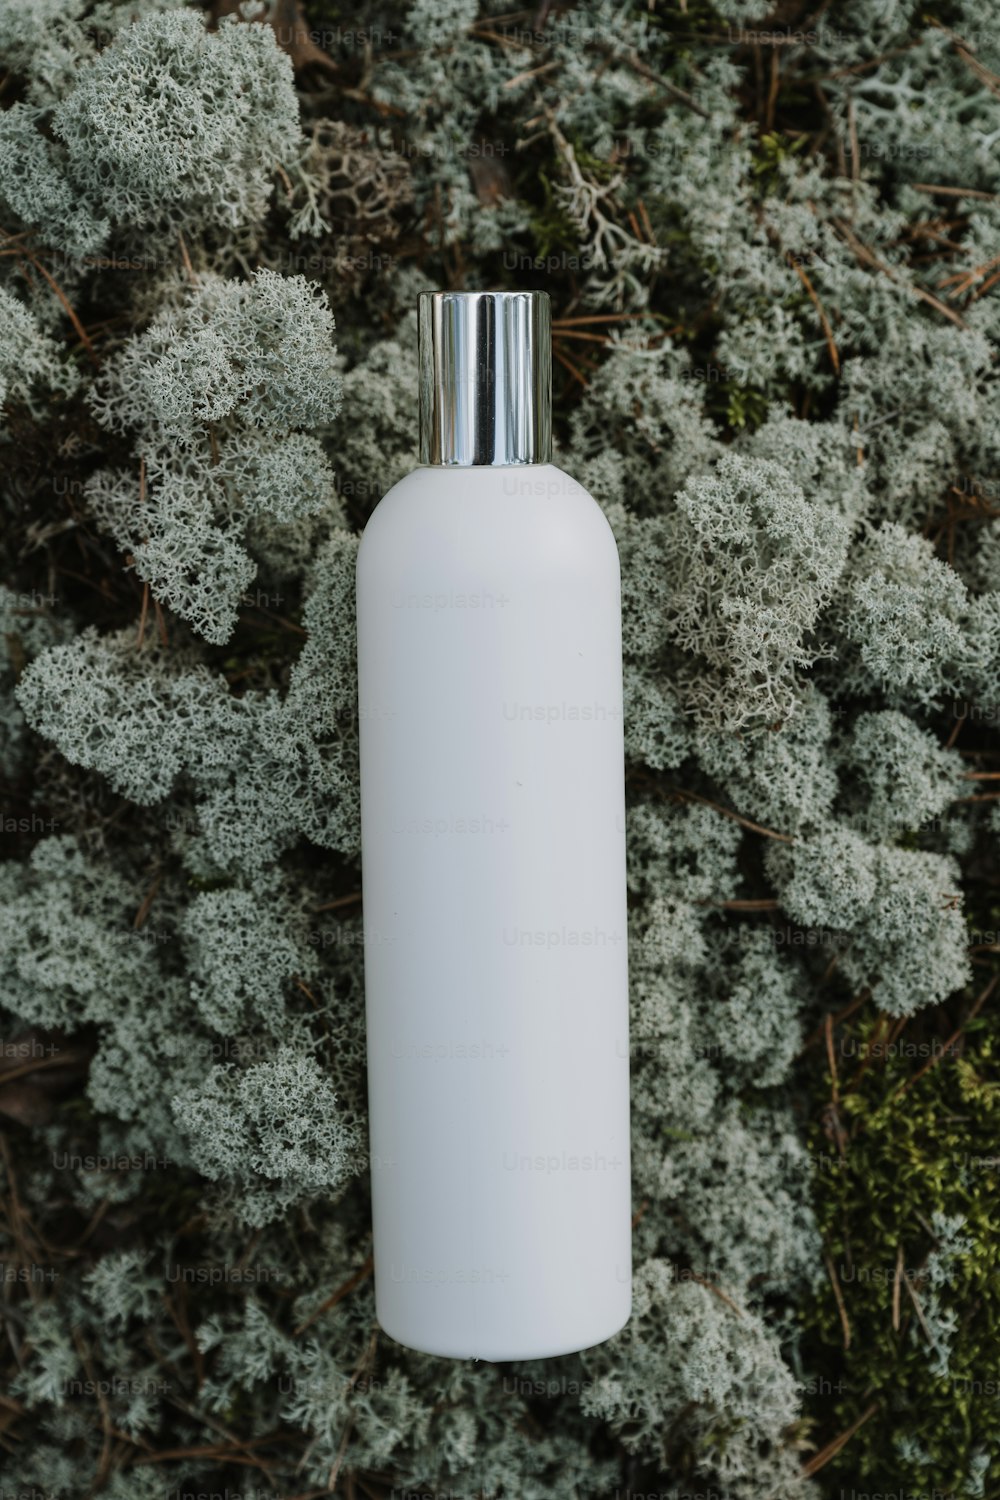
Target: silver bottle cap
485 378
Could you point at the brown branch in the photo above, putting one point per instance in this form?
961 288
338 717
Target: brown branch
632 59
765 903
606 318
933 1060
189 268
590 338
881 1024
840 1015
711 1286
869 258
814 298
236 1453
950 192
986 287
530 73
917 1308
784 838
147 902
897 1287
161 622
832 1059
839 1298
64 1059
340 901
359 1276
821 1459
81 332
570 367
104 1463
852 130
772 91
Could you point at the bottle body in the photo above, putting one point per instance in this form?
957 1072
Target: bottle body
493 867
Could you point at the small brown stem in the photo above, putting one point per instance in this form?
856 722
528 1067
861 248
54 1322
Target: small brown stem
845 1324
832 1059
142 617
824 320
343 1291
897 1287
161 622
869 258
764 903
727 812
189 268
933 1061
711 1286
950 192
821 1459
340 901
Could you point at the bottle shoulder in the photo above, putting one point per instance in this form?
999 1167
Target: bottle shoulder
531 499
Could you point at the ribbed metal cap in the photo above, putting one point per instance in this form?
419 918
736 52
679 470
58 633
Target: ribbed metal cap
485 378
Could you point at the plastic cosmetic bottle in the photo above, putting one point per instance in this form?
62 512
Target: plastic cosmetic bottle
493 859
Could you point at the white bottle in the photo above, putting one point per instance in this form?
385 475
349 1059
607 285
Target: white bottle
493 859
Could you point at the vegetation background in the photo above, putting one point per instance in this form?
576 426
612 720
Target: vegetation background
772 241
